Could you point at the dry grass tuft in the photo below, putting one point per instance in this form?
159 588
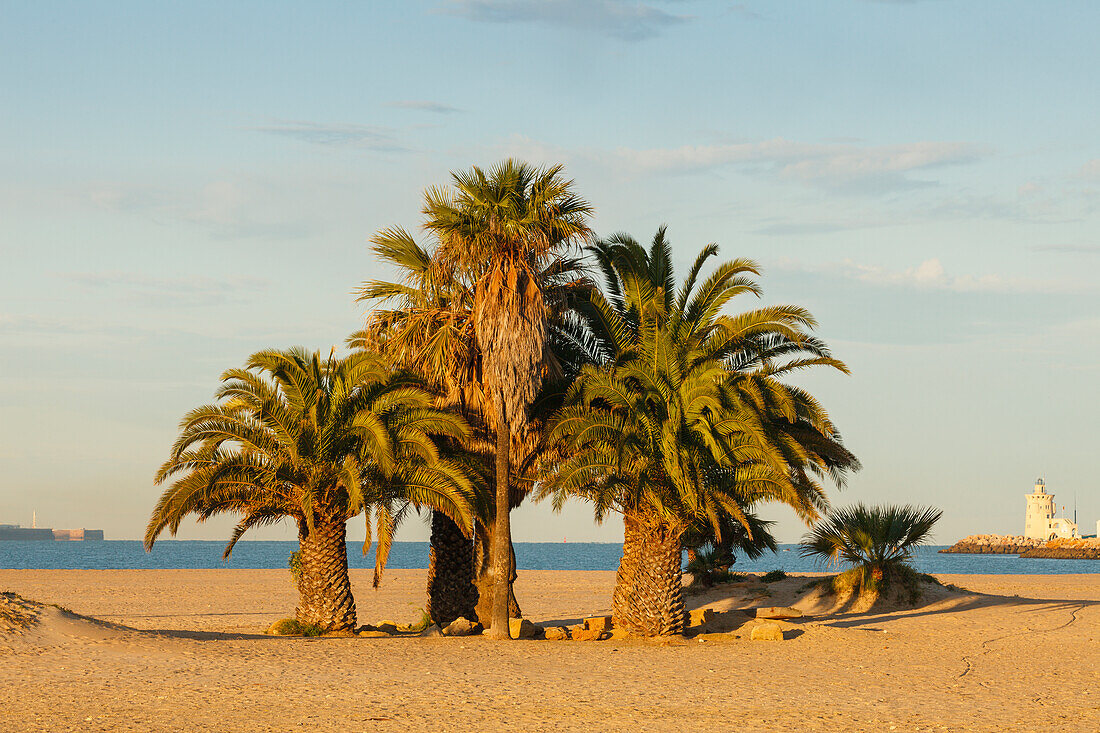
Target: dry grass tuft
17 614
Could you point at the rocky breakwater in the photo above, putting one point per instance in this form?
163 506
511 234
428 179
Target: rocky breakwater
993 544
1066 550
996 544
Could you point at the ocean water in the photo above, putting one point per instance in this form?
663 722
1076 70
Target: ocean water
182 554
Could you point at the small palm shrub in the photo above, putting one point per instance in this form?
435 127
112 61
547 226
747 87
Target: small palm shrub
774 576
878 541
709 567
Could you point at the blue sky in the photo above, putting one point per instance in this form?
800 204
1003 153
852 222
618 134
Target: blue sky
184 183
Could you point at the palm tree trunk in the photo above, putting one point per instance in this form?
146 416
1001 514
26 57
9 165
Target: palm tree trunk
649 590
486 586
502 536
324 588
451 590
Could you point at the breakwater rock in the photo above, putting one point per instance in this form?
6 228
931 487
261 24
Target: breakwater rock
1066 550
995 544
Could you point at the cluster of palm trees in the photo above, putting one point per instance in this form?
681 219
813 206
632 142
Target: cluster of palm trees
518 355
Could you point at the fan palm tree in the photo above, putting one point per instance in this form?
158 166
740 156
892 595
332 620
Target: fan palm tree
318 441
877 540
681 417
508 230
424 322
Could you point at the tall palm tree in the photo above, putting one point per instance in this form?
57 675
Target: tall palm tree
424 321
681 417
509 229
318 441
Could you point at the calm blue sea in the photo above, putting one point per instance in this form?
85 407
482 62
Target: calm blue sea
177 554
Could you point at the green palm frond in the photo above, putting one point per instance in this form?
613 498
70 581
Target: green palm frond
681 412
301 436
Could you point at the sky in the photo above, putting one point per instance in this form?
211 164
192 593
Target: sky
182 184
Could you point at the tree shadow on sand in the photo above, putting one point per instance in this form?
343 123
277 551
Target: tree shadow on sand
839 618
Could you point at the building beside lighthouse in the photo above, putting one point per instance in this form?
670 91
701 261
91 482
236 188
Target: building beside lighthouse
1040 522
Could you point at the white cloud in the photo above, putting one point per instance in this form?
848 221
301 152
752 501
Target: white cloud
623 19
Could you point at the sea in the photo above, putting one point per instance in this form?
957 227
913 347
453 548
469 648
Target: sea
198 554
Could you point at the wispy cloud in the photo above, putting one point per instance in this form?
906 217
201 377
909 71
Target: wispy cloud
184 291
829 165
794 228
227 208
745 11
1090 171
623 19
345 134
424 106
848 168
1088 249
20 324
928 275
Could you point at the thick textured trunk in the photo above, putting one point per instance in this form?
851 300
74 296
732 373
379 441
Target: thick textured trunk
486 586
502 536
649 590
324 588
451 589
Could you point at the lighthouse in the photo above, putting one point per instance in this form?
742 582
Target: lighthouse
1040 522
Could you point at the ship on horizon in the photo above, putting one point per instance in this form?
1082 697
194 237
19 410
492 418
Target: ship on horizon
15 532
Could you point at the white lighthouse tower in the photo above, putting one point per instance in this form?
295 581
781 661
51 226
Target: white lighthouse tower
1040 510
1040 522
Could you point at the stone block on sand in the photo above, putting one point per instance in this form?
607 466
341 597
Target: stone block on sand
767 632
460 627
582 634
598 623
778 612
556 633
702 616
521 628
388 626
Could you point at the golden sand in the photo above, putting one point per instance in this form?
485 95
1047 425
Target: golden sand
1019 653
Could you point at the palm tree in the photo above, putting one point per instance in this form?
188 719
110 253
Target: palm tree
319 441
508 230
709 556
681 418
878 540
423 324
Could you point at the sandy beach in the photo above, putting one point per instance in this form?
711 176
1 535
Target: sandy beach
1017 653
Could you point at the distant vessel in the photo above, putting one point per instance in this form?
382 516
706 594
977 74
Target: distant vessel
16 532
